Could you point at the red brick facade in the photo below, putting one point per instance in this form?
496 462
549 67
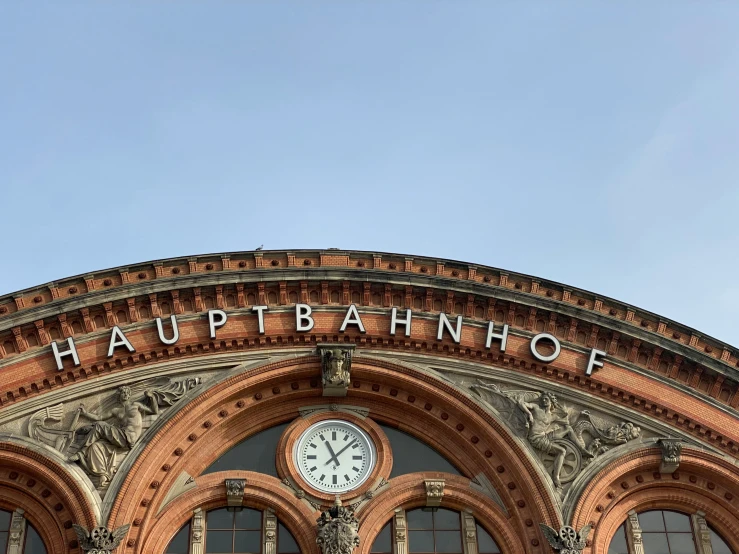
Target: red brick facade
653 369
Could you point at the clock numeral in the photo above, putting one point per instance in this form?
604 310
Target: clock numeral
355 445
333 435
346 477
322 438
313 468
356 469
354 457
322 477
346 438
333 478
313 445
312 456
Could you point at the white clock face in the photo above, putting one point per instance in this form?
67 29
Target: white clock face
335 456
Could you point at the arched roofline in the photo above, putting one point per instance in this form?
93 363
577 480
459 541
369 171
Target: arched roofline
328 258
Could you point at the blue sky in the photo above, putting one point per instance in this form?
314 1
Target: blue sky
591 143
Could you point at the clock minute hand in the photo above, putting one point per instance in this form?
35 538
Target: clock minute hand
333 456
340 452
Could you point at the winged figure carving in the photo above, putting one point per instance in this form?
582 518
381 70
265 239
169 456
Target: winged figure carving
100 540
566 540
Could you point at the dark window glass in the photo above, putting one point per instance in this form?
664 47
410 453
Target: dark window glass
668 532
655 543
618 542
383 542
651 521
436 531
256 453
233 532
411 455
180 543
675 521
248 541
34 544
285 541
485 543
718 544
4 527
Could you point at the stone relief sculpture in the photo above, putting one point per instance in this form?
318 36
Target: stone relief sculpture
335 369
100 540
117 425
562 438
567 540
337 530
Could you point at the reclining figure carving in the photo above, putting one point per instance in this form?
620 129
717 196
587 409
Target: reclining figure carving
553 431
116 427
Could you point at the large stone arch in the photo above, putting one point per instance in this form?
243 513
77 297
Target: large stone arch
264 396
51 496
703 481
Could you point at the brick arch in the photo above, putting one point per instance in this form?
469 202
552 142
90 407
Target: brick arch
51 497
703 482
415 401
408 491
261 492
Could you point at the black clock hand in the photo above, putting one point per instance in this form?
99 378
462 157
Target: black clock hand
333 456
340 452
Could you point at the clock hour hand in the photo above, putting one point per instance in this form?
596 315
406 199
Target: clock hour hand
333 457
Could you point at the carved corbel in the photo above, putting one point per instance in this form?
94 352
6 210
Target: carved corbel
235 492
434 492
671 449
336 364
469 530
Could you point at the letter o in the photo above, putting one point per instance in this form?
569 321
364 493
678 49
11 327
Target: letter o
535 352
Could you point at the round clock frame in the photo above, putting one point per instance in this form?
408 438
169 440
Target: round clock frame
288 460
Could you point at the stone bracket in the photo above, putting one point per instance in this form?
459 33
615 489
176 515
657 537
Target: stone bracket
434 492
671 449
336 365
235 492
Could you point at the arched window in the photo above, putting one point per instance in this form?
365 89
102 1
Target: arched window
234 531
433 531
31 541
665 532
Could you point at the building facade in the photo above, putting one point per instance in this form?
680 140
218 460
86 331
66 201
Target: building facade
341 402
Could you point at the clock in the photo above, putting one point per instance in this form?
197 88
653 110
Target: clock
334 456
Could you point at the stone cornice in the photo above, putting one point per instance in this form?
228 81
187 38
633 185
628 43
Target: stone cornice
30 305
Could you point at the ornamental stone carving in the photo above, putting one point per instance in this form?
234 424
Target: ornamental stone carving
270 531
336 363
566 540
434 492
337 530
17 532
115 426
197 533
632 523
565 439
100 540
671 452
235 491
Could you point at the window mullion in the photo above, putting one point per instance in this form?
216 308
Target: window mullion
197 532
701 533
400 532
633 534
469 532
269 532
17 534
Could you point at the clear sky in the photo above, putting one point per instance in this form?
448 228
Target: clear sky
592 143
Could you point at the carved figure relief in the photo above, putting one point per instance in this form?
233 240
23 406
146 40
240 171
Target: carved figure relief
337 530
335 369
99 447
565 440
